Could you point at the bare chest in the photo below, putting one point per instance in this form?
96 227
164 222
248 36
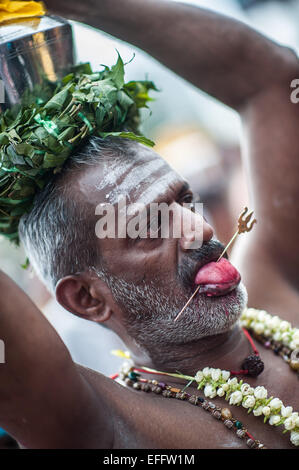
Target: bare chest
152 421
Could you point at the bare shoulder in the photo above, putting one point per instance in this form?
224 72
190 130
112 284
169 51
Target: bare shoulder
149 421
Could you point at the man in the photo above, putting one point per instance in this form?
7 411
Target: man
136 287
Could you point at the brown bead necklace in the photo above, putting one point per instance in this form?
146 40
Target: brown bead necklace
133 379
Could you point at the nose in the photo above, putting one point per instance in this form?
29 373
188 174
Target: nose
195 231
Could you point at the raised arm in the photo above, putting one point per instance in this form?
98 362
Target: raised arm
45 402
219 55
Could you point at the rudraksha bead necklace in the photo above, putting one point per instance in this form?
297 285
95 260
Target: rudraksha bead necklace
133 379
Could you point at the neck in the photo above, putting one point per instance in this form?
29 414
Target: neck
223 351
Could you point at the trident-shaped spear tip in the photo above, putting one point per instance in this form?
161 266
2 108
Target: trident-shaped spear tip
243 222
242 228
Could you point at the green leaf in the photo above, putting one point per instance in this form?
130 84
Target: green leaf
56 103
13 136
84 68
129 135
105 92
25 149
52 161
16 159
67 134
118 73
10 201
68 78
100 114
26 264
124 100
3 139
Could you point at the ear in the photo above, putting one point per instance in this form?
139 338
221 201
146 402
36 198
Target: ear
85 297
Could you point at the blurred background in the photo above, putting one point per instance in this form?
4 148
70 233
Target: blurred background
196 134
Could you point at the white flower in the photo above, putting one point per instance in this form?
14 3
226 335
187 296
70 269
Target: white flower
297 422
277 336
225 375
293 345
220 392
250 313
295 438
286 411
249 402
246 389
235 398
259 328
199 376
285 337
262 315
260 393
296 335
206 372
274 419
225 387
267 332
266 411
274 322
284 325
258 411
233 381
209 392
275 404
289 423
216 374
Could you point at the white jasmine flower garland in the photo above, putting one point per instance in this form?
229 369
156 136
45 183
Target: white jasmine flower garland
217 382
270 326
256 399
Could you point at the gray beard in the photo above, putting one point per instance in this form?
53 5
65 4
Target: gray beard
149 314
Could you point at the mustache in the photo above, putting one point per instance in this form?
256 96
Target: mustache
209 251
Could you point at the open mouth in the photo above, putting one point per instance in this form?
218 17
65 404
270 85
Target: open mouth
217 278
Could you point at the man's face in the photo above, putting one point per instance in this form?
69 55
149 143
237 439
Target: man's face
151 279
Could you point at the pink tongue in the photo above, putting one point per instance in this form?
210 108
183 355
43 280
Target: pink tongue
218 277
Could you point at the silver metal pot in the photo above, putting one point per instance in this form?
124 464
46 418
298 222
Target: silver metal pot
30 51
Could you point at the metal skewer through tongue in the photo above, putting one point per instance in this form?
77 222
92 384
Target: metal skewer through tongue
242 228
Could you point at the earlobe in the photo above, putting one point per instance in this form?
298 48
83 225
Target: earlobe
81 298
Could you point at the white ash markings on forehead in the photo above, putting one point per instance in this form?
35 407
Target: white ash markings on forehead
158 188
113 171
141 174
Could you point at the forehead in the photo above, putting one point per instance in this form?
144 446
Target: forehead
142 177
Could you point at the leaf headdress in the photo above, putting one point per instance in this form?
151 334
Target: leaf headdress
37 137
